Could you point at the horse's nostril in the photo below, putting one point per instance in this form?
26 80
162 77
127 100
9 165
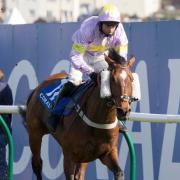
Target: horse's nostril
120 113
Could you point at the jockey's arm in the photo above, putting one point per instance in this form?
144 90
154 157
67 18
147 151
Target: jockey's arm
121 45
80 41
79 63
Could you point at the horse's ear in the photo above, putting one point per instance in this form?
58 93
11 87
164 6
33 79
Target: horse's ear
131 61
108 60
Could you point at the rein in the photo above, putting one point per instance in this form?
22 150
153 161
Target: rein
111 102
91 123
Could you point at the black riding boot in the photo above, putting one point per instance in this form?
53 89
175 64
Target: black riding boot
54 118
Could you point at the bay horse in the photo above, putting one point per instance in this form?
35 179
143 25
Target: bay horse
91 131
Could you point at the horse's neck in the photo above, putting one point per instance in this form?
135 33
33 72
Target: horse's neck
97 109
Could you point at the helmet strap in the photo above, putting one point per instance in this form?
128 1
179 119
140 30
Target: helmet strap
100 27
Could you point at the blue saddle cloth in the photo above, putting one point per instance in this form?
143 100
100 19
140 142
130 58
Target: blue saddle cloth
49 95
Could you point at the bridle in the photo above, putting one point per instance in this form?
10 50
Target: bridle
111 101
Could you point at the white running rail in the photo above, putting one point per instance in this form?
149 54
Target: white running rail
7 109
155 118
140 117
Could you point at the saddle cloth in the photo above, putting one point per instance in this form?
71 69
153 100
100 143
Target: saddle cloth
49 95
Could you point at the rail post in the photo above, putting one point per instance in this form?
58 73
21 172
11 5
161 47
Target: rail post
131 151
11 147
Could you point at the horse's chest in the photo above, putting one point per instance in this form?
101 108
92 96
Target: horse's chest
91 150
91 144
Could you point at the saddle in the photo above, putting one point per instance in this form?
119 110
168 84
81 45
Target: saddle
49 94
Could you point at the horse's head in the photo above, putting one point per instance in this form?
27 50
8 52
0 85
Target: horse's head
120 83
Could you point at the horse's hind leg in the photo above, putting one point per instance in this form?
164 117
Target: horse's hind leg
111 161
80 171
35 140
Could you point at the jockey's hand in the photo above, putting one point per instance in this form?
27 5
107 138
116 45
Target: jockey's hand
93 76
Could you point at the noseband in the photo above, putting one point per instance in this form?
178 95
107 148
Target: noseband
112 102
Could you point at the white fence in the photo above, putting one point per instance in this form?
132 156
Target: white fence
141 117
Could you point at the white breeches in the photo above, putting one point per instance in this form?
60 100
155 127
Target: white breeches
97 63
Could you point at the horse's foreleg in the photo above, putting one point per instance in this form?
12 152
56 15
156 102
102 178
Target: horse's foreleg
69 168
111 161
35 140
80 171
37 167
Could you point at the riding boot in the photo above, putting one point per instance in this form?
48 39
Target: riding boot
65 92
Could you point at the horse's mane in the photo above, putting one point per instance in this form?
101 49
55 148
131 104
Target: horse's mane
116 57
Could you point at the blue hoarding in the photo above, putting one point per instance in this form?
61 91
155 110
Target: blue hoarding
29 53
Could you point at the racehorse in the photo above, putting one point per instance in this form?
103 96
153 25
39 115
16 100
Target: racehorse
91 131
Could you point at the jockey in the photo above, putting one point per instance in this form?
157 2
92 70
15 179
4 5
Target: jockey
95 36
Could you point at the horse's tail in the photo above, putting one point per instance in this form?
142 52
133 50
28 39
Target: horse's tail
22 111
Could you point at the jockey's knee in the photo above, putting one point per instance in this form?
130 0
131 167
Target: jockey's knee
75 76
75 82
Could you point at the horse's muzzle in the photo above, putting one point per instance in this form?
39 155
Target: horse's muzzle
122 114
